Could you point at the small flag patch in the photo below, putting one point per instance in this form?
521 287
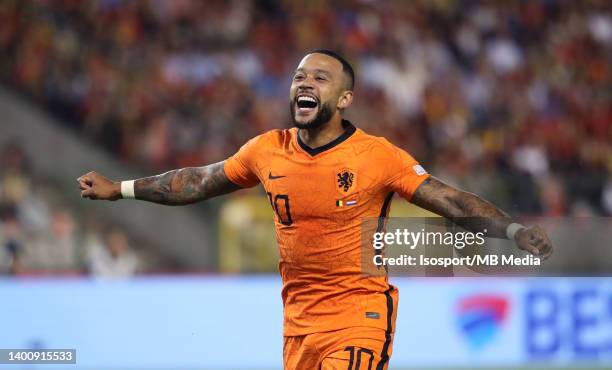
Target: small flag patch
419 170
341 203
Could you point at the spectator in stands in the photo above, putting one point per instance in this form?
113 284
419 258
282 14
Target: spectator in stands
54 247
38 230
113 258
506 86
10 246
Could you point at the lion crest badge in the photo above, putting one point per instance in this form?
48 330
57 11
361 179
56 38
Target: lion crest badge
345 180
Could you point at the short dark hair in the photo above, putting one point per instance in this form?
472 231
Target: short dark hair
346 66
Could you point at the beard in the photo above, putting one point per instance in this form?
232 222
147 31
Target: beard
323 116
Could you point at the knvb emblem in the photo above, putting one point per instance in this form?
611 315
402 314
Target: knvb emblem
345 180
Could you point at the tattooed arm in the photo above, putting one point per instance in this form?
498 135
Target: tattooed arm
466 209
475 214
177 187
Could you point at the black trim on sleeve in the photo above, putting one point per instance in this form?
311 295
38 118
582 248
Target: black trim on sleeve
349 130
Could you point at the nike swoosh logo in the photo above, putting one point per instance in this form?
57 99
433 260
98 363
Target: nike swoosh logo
272 177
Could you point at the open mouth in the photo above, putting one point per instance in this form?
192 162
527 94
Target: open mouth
306 103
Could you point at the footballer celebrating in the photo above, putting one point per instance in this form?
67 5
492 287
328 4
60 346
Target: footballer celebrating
323 177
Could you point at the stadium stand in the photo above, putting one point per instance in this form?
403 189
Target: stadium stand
177 83
517 92
41 233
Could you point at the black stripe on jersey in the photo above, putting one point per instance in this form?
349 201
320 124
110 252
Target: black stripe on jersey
349 130
384 357
381 219
383 213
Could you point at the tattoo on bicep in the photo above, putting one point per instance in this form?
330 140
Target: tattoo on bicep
464 208
217 182
185 185
474 206
437 197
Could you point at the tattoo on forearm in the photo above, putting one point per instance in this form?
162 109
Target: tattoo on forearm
465 209
185 185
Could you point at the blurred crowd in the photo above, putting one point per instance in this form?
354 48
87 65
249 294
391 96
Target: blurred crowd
40 233
510 99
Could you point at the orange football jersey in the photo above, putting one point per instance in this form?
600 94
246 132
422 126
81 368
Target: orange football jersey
320 197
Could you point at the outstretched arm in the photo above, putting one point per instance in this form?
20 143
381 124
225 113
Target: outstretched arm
475 214
466 209
177 187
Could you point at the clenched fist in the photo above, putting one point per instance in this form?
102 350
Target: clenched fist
95 186
535 241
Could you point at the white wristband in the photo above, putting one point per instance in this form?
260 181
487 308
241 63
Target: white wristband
512 229
127 189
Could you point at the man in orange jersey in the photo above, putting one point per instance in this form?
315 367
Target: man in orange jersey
323 177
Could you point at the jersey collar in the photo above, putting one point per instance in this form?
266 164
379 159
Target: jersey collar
349 130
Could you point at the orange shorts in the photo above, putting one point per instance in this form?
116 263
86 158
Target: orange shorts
358 348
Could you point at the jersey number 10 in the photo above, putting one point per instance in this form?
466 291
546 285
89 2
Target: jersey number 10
283 213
